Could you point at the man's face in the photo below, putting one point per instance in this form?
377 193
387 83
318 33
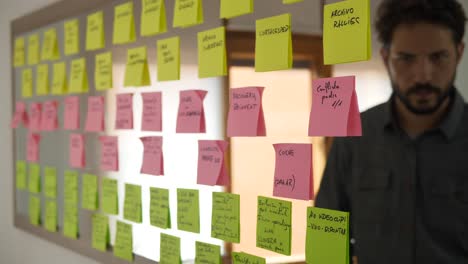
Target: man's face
422 60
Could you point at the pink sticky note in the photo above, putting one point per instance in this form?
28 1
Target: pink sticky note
20 116
293 171
152 112
335 111
49 120
245 117
35 110
153 161
95 115
211 167
109 153
72 113
191 114
77 151
32 151
124 118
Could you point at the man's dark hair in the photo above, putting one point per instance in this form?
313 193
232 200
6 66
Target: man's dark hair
448 13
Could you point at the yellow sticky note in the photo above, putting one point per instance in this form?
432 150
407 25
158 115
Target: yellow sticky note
59 81
153 17
34 210
124 24
346 32
33 49
212 53
168 59
103 71
50 48
291 1
78 77
187 13
95 31
42 79
19 55
50 222
273 45
136 71
27 83
72 37
234 8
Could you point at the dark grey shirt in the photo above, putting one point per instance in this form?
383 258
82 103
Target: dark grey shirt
407 198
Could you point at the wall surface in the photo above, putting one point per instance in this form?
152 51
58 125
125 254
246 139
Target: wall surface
462 76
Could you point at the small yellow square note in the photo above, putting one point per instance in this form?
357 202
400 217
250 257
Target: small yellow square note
103 71
78 77
169 59
72 37
59 81
136 71
153 17
33 49
212 53
286 2
18 56
124 24
27 83
234 8
187 13
42 79
50 48
95 31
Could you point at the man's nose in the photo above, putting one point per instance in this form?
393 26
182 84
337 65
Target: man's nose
423 70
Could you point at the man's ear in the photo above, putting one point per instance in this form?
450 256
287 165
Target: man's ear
460 50
385 54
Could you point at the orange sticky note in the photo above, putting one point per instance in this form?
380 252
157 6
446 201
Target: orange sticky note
191 114
109 153
211 167
32 151
77 151
153 161
124 118
49 120
245 117
72 113
95 115
152 112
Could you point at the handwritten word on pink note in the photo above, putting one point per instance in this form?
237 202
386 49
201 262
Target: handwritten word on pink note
211 167
20 116
153 161
335 109
49 119
191 114
32 151
77 151
95 116
72 113
35 110
293 171
109 153
245 117
124 119
152 112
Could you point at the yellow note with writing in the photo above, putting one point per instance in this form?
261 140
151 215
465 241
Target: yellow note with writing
78 77
187 13
42 79
136 71
273 45
103 71
168 59
291 1
346 32
95 38
33 49
50 49
153 17
234 8
59 81
212 53
19 55
27 83
72 37
124 24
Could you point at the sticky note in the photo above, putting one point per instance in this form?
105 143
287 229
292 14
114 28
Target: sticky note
50 49
187 13
89 192
241 258
95 38
286 2
327 237
124 118
50 182
20 116
70 187
109 201
153 17
70 221
123 247
21 175
212 53
34 180
169 249
273 44
49 119
32 149
33 49
234 8
34 210
19 52
50 222
27 83
346 32
136 70
207 253
100 233
274 225
124 24
72 37
103 72
78 77
76 158
109 153
42 79
152 111
35 113
188 210
225 218
160 215
212 169
132 204
191 113
335 110
71 120
95 114
245 117
59 81
153 160
168 59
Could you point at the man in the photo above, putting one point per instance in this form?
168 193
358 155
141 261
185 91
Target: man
405 181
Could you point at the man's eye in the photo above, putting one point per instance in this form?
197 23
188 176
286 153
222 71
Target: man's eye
438 57
406 59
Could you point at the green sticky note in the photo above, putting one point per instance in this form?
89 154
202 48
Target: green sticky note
159 208
109 201
168 59
346 32
169 249
71 187
187 13
19 52
100 237
34 181
50 222
34 210
273 45
33 49
124 24
89 189
225 219
72 37
70 220
291 1
103 71
327 237
123 247
132 204
242 258
42 79
95 38
207 253
234 8
188 210
50 49
274 225
50 182
136 70
212 53
59 81
153 17
21 175
27 83
78 77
